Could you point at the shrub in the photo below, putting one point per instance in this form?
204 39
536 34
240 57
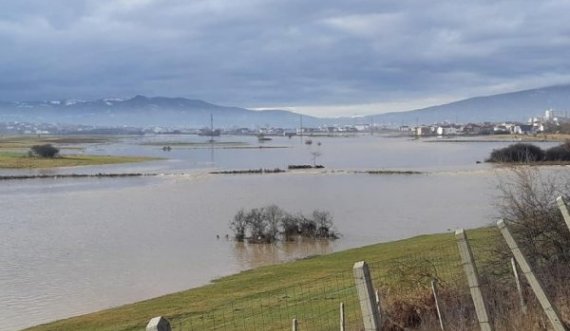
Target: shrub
521 153
46 151
558 153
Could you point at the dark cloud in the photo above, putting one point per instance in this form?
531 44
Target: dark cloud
281 53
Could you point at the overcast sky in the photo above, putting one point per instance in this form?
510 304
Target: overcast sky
323 57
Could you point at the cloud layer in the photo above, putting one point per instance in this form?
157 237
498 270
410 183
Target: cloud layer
295 53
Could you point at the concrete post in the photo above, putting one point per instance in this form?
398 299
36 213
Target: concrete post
158 324
550 311
370 314
342 323
473 280
294 325
564 210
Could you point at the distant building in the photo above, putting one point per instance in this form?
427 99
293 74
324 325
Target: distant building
362 127
523 129
446 130
472 129
501 129
423 131
549 115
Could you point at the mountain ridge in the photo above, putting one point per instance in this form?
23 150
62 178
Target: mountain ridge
146 111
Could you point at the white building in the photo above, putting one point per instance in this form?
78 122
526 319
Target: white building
446 130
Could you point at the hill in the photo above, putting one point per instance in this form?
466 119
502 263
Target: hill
515 106
144 111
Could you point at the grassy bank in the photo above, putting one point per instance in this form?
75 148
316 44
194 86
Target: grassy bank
13 152
279 291
19 160
25 142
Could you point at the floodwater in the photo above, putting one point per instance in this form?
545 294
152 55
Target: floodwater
72 246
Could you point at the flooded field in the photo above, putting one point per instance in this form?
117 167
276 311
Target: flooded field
72 246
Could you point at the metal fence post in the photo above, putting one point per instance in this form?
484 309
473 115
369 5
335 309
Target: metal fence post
370 314
473 280
158 324
550 311
518 283
434 291
564 210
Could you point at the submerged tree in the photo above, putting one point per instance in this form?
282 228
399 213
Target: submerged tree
273 215
324 223
271 223
238 225
258 225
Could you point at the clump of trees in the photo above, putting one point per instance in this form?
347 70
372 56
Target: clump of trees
45 151
527 153
271 223
558 153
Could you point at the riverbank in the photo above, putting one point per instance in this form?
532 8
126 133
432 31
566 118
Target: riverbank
245 293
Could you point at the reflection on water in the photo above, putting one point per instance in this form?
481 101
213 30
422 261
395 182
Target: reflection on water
256 255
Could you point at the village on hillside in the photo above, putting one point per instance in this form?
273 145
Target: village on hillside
548 123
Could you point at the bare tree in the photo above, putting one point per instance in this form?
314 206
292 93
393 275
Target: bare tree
324 222
528 203
238 225
257 225
273 215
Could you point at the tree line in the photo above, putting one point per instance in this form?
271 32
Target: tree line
525 153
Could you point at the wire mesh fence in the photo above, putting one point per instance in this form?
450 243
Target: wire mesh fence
415 291
314 304
403 282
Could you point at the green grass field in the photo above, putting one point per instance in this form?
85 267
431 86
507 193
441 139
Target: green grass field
13 152
25 142
267 298
19 160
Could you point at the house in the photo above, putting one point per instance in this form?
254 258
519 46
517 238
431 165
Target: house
472 129
446 130
523 129
422 131
501 129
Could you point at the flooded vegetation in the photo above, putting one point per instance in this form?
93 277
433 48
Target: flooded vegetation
268 224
